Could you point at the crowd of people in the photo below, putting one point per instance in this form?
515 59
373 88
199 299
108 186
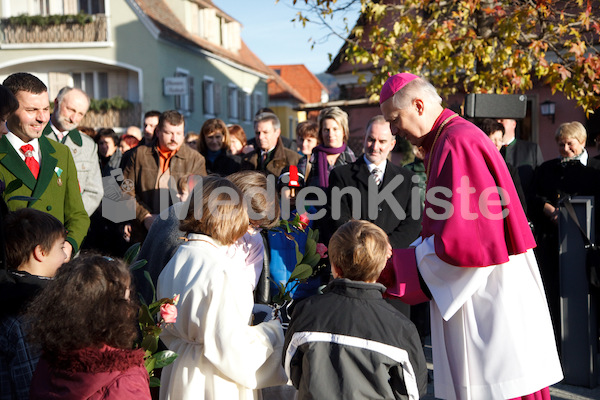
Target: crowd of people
207 207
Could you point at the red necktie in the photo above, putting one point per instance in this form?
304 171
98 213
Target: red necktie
30 161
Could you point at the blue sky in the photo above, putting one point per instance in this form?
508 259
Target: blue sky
268 31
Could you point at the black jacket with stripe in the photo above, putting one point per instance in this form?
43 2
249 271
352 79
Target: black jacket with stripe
349 343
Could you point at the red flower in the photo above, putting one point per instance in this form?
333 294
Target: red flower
304 221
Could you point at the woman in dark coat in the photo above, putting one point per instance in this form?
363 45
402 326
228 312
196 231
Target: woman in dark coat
214 146
574 173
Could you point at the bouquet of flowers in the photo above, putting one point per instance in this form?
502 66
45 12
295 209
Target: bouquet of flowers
152 319
308 264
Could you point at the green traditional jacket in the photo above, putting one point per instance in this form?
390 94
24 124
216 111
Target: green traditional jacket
56 191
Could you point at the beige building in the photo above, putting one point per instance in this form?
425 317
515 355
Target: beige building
155 54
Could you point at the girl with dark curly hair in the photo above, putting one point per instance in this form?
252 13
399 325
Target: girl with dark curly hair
85 323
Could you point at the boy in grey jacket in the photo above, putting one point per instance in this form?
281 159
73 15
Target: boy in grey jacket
349 343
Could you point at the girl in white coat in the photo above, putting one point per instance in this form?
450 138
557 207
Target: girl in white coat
220 356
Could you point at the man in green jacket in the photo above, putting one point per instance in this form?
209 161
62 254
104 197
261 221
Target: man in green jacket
37 172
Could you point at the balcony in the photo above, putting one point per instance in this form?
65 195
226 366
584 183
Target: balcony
70 32
114 118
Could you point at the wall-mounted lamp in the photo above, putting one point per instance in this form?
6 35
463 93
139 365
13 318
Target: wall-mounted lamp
548 108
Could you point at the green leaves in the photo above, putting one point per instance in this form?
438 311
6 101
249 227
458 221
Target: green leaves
307 263
41 20
149 326
479 46
114 103
131 253
301 272
164 358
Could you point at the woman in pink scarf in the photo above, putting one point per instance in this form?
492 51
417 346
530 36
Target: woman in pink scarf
333 150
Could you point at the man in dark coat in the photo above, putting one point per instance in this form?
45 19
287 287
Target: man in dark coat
270 155
399 214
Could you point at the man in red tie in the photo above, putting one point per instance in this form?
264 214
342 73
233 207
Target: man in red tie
37 172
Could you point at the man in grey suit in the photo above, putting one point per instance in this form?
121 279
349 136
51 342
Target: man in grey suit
70 106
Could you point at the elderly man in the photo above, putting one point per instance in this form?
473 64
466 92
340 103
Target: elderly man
371 175
157 167
70 107
270 155
491 330
40 173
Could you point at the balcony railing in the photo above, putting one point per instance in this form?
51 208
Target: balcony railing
114 118
95 31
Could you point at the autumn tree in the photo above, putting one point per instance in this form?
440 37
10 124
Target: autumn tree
477 46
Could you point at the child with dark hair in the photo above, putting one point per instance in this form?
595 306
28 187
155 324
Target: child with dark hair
349 343
85 323
34 247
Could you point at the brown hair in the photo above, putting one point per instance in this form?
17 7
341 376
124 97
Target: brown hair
238 132
24 82
26 228
252 183
489 126
88 130
223 215
173 117
308 129
359 250
210 127
85 306
131 140
8 102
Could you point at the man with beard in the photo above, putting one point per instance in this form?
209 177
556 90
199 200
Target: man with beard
157 167
70 106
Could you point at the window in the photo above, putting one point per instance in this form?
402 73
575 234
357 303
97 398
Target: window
33 7
211 97
95 83
246 106
291 128
185 103
258 102
91 6
232 101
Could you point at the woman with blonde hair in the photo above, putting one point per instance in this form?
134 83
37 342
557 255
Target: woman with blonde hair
573 173
213 144
333 150
220 356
